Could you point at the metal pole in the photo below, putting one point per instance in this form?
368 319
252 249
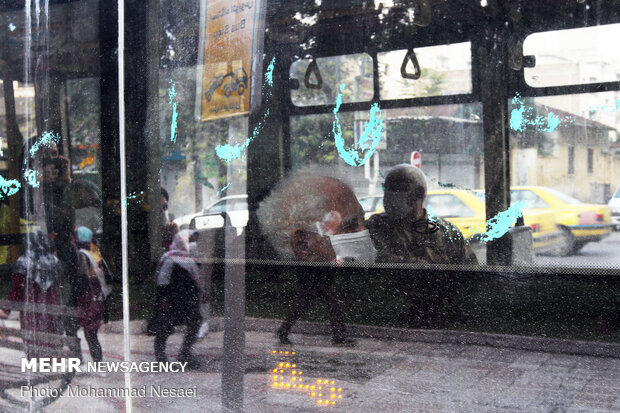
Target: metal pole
123 167
491 58
233 367
234 306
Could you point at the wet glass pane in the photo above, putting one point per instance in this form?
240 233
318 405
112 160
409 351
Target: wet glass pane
232 238
57 289
550 147
573 57
447 139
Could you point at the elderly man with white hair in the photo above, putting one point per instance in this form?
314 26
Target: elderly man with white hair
405 233
314 217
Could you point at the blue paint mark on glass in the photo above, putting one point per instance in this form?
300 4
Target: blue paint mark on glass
46 139
224 188
171 101
429 212
367 142
606 108
229 152
502 222
8 187
138 196
30 175
269 72
522 116
517 116
553 121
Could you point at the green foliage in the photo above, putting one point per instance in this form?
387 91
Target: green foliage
433 80
312 142
313 138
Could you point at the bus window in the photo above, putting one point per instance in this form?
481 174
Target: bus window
320 83
448 138
563 161
84 127
444 70
573 57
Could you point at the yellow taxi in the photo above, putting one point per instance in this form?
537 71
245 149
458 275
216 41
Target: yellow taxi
578 222
466 210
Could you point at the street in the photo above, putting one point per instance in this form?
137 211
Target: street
436 375
601 254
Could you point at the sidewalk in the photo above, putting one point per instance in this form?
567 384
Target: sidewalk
375 376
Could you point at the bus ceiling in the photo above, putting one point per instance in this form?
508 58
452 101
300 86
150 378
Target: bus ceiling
363 26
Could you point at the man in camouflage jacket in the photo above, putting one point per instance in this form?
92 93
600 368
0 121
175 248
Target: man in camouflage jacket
431 241
405 233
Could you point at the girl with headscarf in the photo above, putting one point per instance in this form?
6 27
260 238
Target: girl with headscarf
91 304
180 289
36 276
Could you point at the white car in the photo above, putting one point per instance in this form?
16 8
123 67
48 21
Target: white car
235 205
614 207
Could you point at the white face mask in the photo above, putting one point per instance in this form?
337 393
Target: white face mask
165 217
397 205
355 247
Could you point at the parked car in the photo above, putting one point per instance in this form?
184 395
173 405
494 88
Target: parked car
580 223
466 210
614 206
235 205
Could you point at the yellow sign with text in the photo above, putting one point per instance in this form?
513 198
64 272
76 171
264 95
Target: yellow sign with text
227 58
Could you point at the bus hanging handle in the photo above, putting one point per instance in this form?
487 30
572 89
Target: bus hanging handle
313 69
410 56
